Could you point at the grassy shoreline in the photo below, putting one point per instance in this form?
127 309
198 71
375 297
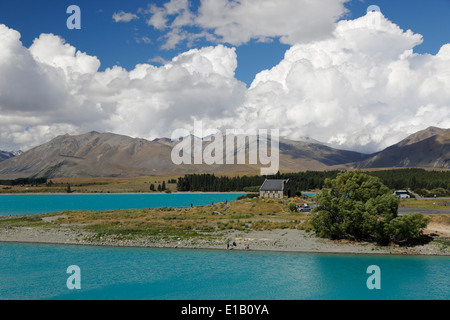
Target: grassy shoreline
266 225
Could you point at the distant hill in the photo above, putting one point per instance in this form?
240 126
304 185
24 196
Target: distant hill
429 148
88 155
316 152
421 135
111 155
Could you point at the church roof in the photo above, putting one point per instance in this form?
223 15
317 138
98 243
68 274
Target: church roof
273 185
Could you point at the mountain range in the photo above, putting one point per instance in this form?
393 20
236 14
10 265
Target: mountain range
97 154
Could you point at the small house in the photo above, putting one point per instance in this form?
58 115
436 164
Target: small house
276 189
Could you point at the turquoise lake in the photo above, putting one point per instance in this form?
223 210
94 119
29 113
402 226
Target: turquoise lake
309 194
45 203
35 271
32 271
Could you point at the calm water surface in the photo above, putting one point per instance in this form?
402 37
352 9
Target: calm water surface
48 203
31 271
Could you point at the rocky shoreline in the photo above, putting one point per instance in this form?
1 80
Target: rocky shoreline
278 240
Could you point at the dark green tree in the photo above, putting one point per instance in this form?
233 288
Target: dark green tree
360 206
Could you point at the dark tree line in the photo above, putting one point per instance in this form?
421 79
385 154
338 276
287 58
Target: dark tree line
413 178
310 180
209 182
23 181
212 183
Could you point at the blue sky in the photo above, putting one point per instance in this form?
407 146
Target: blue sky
122 44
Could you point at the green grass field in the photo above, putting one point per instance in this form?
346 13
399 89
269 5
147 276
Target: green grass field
426 204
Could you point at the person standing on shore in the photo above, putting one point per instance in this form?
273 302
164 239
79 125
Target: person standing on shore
228 244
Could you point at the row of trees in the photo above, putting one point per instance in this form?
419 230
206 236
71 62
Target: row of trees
415 179
212 183
209 182
24 182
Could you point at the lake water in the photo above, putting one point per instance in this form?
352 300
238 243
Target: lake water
45 203
308 194
32 271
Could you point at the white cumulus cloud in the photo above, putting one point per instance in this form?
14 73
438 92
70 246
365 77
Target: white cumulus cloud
51 88
363 89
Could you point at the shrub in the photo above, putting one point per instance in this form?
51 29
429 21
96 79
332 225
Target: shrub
248 196
292 207
407 228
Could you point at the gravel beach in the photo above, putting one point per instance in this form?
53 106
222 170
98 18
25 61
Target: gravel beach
286 240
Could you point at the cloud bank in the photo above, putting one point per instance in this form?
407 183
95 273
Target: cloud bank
361 88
